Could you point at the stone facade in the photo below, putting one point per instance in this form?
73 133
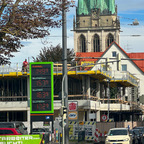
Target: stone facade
105 27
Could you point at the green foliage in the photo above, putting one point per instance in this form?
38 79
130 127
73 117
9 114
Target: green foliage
27 19
113 92
53 54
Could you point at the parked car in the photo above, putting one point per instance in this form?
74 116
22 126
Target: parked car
18 125
40 131
139 135
44 131
9 131
141 128
118 135
133 136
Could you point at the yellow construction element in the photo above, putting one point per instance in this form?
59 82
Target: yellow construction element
87 63
89 123
73 138
72 122
14 74
81 123
89 138
75 73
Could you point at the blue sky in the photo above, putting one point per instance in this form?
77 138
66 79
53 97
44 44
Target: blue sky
128 10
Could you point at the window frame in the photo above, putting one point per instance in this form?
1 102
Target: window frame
114 53
96 43
82 43
122 66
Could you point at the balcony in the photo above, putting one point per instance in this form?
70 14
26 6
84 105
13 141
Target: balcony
125 78
115 105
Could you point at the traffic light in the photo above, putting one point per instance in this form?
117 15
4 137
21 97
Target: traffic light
63 110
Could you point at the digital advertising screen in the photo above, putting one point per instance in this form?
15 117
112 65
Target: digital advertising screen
41 87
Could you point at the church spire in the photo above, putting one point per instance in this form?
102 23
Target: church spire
105 6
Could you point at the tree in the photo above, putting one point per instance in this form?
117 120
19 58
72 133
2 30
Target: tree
53 54
113 92
26 19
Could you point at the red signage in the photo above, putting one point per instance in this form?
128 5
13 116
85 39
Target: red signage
104 117
72 106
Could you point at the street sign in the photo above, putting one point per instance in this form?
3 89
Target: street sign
72 106
41 88
73 115
104 117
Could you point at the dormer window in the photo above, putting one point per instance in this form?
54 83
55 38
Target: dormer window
114 54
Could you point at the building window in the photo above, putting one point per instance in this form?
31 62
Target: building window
109 39
82 43
96 44
114 54
124 67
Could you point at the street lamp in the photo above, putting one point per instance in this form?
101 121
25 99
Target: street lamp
108 95
64 104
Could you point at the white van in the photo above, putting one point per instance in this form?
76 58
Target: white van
118 136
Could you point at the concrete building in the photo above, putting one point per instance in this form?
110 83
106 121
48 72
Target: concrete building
126 83
102 88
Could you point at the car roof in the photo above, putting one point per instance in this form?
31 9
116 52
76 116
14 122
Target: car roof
38 128
8 128
136 130
119 129
10 122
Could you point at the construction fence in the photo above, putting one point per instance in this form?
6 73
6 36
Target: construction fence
94 131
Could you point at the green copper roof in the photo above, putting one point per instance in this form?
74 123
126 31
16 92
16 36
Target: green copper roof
105 6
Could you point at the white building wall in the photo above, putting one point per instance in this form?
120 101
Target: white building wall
114 107
131 67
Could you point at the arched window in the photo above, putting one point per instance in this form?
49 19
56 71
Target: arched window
110 39
96 43
82 43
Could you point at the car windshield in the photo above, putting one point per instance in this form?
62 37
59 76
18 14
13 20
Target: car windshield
6 125
136 131
47 130
117 132
18 130
131 132
140 128
38 130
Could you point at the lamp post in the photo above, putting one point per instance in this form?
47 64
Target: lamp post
65 80
65 131
108 95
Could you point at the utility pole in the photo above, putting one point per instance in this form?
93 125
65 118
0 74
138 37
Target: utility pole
64 59
108 94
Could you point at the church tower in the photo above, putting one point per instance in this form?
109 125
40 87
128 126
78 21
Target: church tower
96 25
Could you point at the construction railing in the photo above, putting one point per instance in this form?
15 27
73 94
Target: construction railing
124 75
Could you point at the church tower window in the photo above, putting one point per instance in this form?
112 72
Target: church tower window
96 43
82 43
109 39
